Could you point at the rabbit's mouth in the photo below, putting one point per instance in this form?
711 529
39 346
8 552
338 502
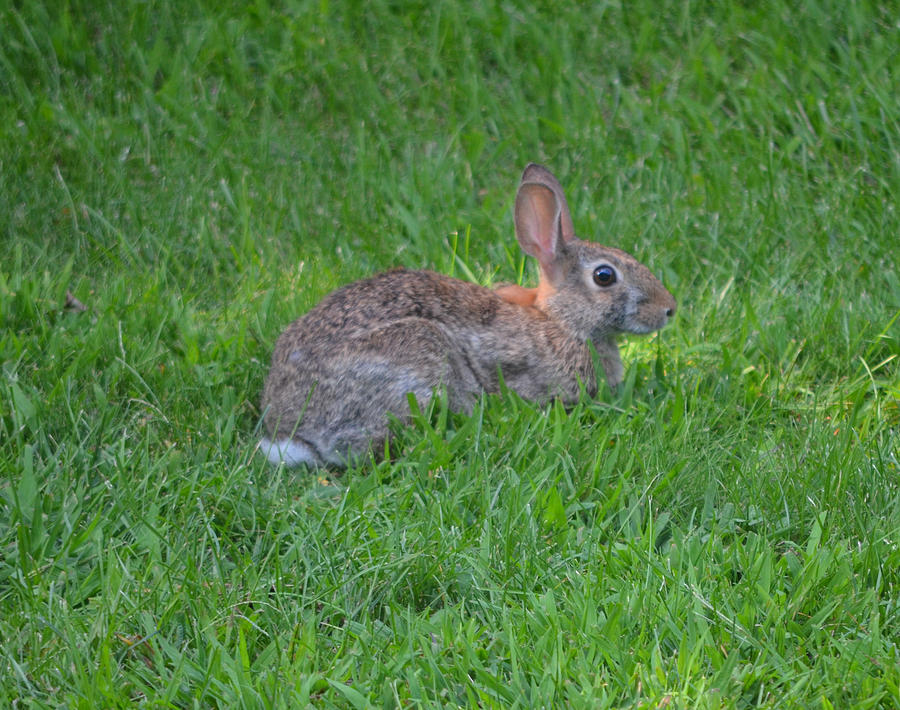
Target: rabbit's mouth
647 320
647 314
644 329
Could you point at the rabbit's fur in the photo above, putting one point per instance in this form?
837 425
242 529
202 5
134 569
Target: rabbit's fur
338 371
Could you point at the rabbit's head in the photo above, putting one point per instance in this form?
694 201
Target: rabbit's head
593 290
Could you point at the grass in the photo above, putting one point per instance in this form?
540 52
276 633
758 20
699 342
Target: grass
722 533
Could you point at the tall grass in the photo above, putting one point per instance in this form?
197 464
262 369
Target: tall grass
721 533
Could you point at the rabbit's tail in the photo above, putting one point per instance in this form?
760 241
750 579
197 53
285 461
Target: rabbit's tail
289 452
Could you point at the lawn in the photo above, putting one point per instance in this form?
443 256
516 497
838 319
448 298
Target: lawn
178 181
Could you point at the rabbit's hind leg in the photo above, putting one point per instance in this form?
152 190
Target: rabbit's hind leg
342 412
377 372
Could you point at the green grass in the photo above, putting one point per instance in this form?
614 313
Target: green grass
725 532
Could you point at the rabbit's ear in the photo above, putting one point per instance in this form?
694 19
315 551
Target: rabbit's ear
540 174
538 225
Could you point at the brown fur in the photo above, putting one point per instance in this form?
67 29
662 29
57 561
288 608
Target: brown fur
355 357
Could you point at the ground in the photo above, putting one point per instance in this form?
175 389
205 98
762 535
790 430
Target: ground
178 181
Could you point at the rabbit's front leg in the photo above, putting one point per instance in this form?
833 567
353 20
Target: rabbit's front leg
610 360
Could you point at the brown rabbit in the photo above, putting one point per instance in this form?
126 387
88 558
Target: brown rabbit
355 357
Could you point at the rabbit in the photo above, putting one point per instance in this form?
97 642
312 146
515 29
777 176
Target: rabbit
339 371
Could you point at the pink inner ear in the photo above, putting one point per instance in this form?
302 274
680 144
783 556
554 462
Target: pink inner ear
537 219
539 174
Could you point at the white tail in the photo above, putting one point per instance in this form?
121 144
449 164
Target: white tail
288 451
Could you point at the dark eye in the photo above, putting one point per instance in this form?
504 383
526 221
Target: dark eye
604 276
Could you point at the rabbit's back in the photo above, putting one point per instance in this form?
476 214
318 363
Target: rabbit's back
392 296
489 335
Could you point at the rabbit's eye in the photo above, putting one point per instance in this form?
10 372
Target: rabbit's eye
604 276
